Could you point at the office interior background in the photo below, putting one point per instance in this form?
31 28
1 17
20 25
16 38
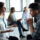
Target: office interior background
19 6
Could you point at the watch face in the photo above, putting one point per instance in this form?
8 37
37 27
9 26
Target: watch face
38 1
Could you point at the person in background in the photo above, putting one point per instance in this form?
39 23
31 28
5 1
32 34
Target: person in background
24 17
2 23
34 10
12 19
13 38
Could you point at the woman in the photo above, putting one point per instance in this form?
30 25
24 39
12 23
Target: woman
10 19
2 22
24 17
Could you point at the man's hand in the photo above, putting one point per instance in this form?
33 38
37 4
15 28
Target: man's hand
30 21
6 31
14 25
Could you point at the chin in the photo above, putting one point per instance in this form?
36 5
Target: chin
32 16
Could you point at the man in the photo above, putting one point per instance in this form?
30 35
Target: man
34 11
2 23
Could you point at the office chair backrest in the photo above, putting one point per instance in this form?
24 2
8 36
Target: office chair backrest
13 38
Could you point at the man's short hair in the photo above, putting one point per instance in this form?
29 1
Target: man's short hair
34 6
1 5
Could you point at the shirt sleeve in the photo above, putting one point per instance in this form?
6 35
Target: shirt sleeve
1 27
37 31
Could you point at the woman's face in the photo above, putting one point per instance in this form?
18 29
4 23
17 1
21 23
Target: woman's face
25 10
13 10
4 8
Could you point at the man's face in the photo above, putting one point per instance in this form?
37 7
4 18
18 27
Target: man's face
32 12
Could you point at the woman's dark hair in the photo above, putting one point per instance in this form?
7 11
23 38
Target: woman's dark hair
34 6
24 10
1 6
12 9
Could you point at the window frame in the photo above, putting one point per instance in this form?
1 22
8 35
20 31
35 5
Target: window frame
21 1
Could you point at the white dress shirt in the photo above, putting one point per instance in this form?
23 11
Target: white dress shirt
2 28
13 17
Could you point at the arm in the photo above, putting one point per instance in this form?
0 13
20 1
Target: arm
6 31
37 31
31 28
30 22
2 30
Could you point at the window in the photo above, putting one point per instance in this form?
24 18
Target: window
24 3
16 4
7 5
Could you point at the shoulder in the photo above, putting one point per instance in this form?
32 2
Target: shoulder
38 15
38 23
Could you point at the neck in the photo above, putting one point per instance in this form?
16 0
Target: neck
1 15
12 12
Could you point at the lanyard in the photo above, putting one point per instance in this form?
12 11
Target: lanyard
4 22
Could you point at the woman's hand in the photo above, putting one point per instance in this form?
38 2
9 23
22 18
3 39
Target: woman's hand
9 30
15 25
6 31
